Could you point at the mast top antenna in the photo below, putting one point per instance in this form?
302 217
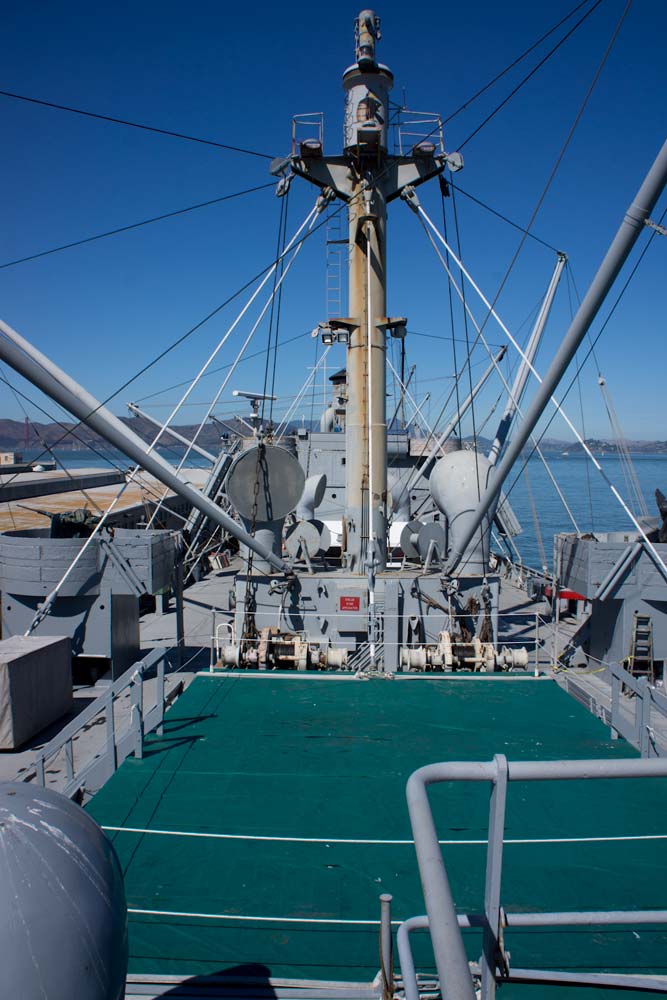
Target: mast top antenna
366 33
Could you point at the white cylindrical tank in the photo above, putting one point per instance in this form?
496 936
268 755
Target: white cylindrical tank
63 915
457 482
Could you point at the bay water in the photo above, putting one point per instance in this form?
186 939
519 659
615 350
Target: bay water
533 497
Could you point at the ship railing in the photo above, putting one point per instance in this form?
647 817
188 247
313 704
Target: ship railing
632 718
307 127
414 127
128 714
521 574
512 629
445 925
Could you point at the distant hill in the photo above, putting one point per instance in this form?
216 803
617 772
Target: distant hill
602 447
69 435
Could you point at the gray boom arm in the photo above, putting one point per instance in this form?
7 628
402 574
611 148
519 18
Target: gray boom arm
43 373
628 233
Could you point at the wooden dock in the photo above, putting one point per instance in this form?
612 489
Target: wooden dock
95 489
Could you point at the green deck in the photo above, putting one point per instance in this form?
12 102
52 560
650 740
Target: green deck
323 757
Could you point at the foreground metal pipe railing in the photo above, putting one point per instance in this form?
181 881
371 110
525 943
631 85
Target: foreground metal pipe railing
648 983
444 923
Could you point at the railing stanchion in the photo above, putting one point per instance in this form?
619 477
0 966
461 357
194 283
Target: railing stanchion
69 759
644 717
160 696
615 698
213 640
180 619
137 701
494 866
386 947
556 619
97 766
110 728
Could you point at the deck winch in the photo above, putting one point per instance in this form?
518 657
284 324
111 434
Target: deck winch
450 654
276 650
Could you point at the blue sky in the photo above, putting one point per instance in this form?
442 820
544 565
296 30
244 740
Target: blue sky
104 310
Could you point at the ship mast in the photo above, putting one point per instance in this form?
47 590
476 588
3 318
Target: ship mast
367 88
367 177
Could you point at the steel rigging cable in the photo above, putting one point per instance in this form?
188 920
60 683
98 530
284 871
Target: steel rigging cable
532 72
443 189
516 61
48 449
581 404
465 326
629 474
136 225
263 271
137 125
200 140
31 426
197 326
278 311
590 350
525 80
499 215
214 371
559 158
467 336
277 274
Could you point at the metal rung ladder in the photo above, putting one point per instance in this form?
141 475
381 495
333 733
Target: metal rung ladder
336 248
640 661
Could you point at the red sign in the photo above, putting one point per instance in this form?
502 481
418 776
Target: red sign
350 603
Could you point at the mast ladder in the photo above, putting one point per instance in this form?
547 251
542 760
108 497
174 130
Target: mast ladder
336 244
